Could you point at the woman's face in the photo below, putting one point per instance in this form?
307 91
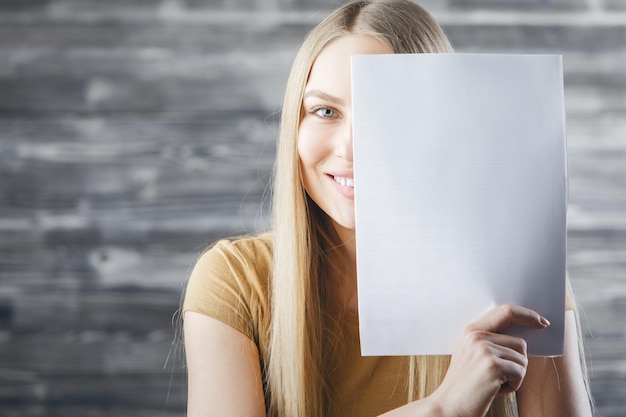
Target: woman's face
325 135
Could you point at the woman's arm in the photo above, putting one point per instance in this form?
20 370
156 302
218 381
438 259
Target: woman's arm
555 386
224 374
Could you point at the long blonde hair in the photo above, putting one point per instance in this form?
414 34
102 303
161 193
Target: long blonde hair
303 330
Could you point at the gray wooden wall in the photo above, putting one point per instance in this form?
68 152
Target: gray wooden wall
132 133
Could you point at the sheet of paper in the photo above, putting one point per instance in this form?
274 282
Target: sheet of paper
460 196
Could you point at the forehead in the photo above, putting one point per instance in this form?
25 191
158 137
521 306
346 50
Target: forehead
332 65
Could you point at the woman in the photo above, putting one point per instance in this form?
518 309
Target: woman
270 321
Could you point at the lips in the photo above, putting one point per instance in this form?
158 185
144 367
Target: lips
344 183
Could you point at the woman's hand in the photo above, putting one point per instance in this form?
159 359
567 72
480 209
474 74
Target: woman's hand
486 364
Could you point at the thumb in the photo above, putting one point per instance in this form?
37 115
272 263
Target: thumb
505 315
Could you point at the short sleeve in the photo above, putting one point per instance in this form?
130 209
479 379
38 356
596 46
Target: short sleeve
229 283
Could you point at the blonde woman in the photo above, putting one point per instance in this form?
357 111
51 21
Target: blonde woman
270 321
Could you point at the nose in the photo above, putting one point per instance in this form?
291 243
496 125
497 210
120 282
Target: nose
343 148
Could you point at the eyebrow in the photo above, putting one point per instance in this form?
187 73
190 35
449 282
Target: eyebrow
324 96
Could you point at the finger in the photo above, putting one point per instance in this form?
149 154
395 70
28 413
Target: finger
504 376
503 316
501 356
507 375
499 347
512 376
506 343
494 340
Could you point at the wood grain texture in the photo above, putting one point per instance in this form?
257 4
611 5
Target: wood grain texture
133 134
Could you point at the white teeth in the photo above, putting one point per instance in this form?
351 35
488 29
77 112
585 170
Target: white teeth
346 182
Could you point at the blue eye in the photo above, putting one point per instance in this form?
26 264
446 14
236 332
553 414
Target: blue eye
325 113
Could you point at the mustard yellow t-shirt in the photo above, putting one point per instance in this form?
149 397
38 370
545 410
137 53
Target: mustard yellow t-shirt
230 283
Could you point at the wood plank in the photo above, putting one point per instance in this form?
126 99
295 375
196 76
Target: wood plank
87 411
59 410
115 8
129 312
520 5
615 5
28 393
214 34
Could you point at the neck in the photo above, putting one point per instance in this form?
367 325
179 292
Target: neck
346 285
348 241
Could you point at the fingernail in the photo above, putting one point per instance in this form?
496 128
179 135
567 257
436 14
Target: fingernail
544 321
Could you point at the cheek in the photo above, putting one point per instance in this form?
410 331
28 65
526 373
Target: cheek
307 150
311 148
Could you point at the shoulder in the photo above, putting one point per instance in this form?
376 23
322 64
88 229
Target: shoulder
230 282
242 259
254 252
250 249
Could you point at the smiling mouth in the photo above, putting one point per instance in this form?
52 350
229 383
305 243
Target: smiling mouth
343 181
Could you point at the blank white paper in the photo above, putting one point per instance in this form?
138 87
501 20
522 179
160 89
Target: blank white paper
460 196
